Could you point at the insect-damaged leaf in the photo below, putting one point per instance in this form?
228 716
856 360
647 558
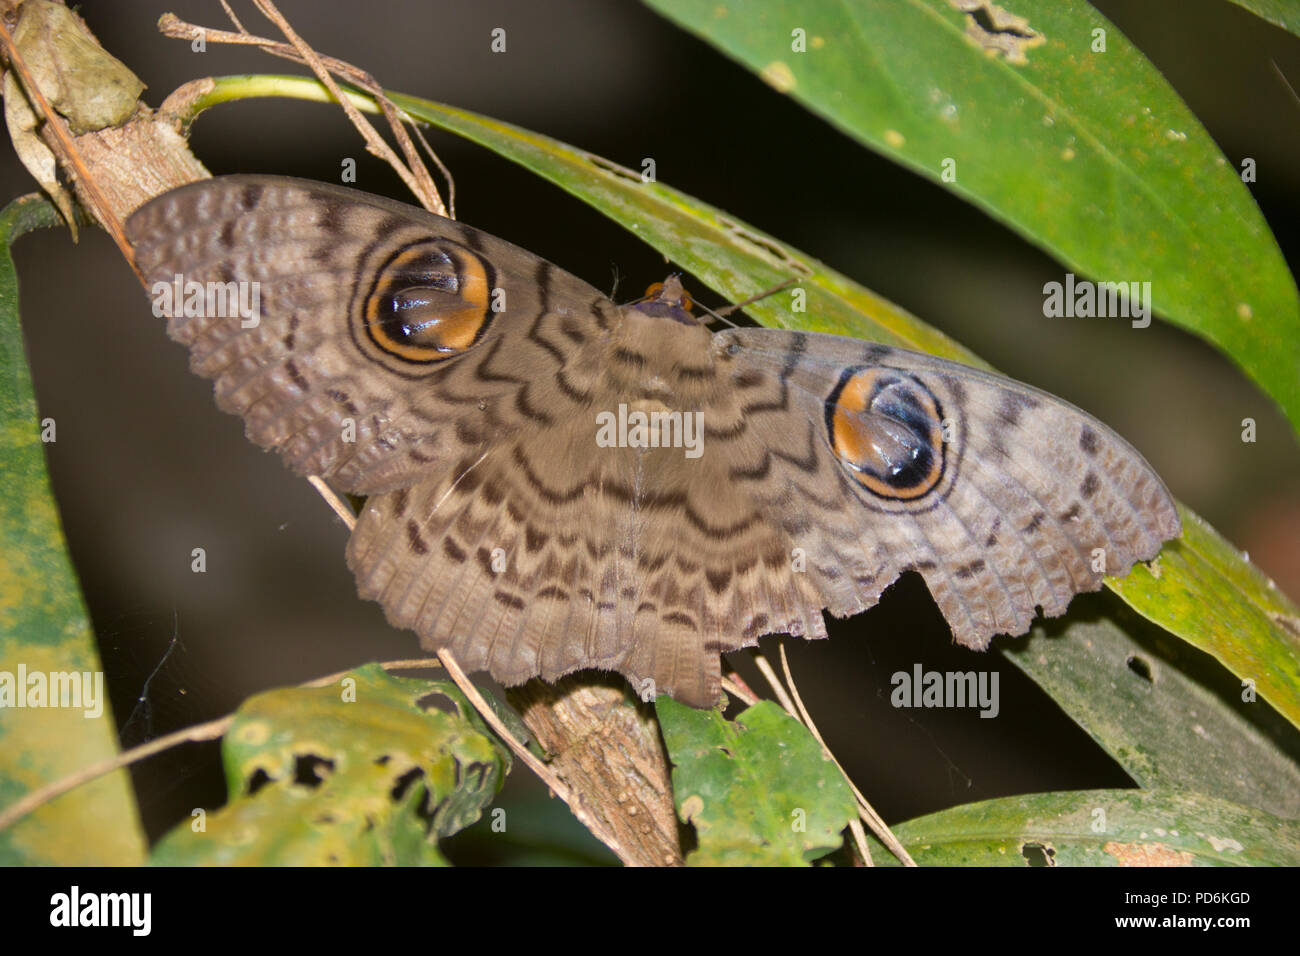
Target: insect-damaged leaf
1101 828
363 771
757 789
1172 717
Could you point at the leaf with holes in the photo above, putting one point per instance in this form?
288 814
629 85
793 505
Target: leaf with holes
1171 716
757 789
1101 828
360 772
1224 605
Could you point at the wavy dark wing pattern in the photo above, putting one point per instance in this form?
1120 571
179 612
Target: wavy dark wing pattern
390 341
553 552
1003 497
385 360
468 387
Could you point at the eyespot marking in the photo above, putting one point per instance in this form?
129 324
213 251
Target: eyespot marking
429 302
886 428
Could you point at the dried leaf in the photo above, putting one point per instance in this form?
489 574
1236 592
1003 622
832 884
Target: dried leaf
87 85
33 152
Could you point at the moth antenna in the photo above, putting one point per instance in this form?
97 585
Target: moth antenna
754 298
617 275
720 316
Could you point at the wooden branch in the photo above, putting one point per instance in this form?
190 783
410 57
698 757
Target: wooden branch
112 170
607 749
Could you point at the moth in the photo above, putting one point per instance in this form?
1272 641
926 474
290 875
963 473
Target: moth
532 500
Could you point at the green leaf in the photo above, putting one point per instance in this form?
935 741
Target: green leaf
731 256
1207 593
758 790
1280 13
1090 155
44 630
1169 715
1101 828
360 772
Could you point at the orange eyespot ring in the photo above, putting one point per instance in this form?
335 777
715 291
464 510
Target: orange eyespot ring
430 302
886 428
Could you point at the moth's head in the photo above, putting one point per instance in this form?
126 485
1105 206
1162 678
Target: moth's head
667 300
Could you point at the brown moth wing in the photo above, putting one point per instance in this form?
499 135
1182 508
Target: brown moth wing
1023 503
551 553
638 560
326 261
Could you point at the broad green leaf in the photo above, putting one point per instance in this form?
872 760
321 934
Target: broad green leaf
731 256
1207 593
1167 714
758 789
44 630
1101 828
1280 13
360 772
1091 155
737 260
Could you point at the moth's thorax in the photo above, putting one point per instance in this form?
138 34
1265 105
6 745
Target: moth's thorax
668 300
652 356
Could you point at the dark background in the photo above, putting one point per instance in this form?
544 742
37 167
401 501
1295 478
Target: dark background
145 468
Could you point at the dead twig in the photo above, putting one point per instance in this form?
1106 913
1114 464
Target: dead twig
60 141
412 170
